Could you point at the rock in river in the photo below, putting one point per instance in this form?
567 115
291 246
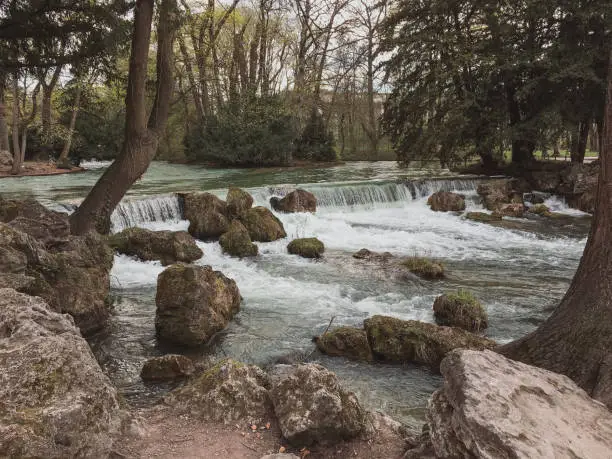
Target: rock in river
348 342
460 309
207 215
262 225
445 201
309 247
167 367
238 202
237 242
297 201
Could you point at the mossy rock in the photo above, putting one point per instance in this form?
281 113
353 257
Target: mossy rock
411 341
541 210
167 367
262 225
309 247
460 309
238 202
237 242
483 217
446 201
348 342
424 267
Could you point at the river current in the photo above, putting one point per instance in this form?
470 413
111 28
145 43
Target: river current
519 271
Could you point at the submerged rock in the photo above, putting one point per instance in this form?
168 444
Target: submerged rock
207 215
238 202
307 247
262 225
410 341
540 209
511 210
483 217
167 367
312 407
56 402
166 246
368 255
461 310
493 407
193 303
445 201
228 392
348 342
237 242
424 267
297 201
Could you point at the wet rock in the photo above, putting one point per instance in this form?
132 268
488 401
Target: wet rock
167 367
536 197
31 217
461 310
262 225
228 392
237 242
6 159
365 254
193 303
445 201
483 217
540 209
207 215
312 407
238 202
511 210
297 201
307 247
491 406
584 201
56 402
424 267
12 260
348 342
410 341
166 246
496 193
34 285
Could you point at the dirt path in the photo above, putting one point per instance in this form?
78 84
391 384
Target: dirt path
32 168
167 435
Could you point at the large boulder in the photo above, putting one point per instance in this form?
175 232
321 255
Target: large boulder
228 392
495 193
460 309
166 246
445 201
6 159
348 342
56 402
493 407
207 215
237 242
312 407
297 201
167 367
262 225
411 341
238 202
193 303
309 247
31 217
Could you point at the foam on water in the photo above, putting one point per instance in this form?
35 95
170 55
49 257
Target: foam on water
94 164
559 205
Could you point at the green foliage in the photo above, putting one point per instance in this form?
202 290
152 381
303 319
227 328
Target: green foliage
255 131
316 142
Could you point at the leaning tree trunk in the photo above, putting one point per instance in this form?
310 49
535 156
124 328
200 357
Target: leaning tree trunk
63 157
577 339
141 138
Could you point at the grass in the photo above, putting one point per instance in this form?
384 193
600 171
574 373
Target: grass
424 267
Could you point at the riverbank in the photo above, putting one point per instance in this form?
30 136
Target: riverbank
37 168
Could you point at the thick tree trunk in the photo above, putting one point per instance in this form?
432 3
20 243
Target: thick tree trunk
579 141
4 132
577 339
141 138
522 149
63 157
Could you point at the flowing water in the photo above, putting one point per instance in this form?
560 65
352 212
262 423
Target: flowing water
519 269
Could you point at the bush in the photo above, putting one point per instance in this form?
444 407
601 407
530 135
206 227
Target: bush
256 131
316 142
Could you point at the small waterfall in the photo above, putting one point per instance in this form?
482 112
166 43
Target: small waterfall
426 187
155 209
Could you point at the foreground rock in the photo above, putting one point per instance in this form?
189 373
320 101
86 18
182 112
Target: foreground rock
56 402
167 367
307 247
348 342
461 310
238 202
166 246
228 392
34 219
193 303
445 201
493 407
410 341
297 201
237 242
262 225
207 215
312 407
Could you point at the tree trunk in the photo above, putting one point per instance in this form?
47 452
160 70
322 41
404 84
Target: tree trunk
522 149
195 94
17 159
63 157
4 132
141 138
577 339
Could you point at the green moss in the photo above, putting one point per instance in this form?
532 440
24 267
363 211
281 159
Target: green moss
348 342
237 242
460 309
307 247
541 209
424 267
262 225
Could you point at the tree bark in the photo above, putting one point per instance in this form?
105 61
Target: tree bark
46 99
141 137
4 132
577 339
63 157
17 158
